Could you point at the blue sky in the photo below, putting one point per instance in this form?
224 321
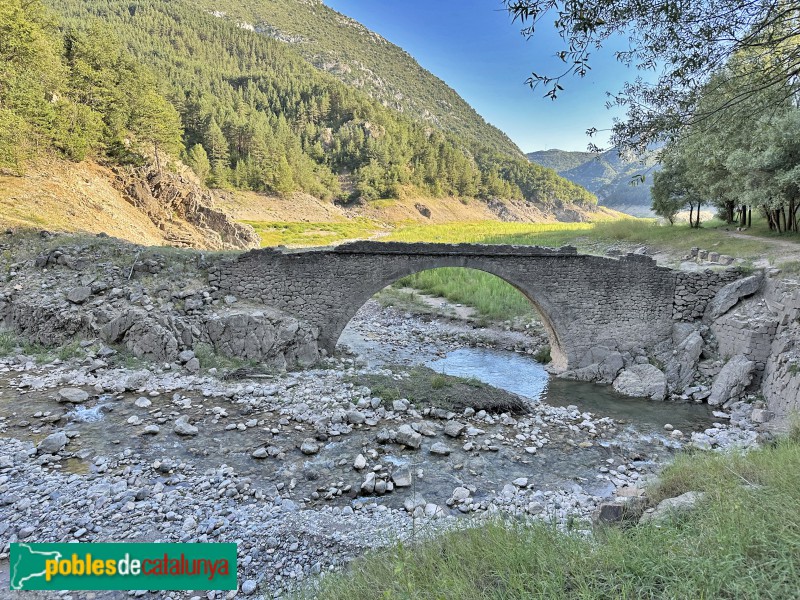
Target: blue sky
473 46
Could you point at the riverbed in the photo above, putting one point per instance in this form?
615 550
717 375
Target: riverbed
307 470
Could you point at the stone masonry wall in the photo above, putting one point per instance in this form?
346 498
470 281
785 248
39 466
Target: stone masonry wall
694 290
585 301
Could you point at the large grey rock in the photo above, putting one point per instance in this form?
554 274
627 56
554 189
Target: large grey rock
183 427
732 380
642 381
730 295
74 395
408 437
681 366
402 477
79 295
672 506
53 443
309 446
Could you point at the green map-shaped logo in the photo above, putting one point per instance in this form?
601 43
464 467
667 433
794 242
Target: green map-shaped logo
28 564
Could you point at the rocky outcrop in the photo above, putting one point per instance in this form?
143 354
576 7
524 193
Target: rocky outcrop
168 199
158 309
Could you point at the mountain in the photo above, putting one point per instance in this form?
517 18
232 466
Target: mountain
257 115
612 178
363 59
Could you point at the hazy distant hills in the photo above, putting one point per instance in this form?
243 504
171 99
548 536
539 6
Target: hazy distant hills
607 175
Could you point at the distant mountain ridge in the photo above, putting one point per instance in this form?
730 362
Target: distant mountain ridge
612 178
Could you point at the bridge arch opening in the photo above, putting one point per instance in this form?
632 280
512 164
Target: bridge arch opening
473 294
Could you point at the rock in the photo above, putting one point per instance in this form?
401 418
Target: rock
730 295
183 427
53 443
732 380
260 453
355 417
137 380
521 482
454 429
461 493
440 449
408 437
249 587
142 402
79 295
185 356
642 381
402 477
193 365
151 429
74 395
672 506
682 365
360 462
400 405
760 415
368 485
309 446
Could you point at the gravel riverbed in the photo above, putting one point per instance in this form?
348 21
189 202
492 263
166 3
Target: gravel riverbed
304 471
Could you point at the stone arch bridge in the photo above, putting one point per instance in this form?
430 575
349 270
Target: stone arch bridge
586 302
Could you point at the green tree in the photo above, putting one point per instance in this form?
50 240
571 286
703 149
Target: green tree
684 42
157 124
197 159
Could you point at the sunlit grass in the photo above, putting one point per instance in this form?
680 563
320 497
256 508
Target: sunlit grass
313 234
491 296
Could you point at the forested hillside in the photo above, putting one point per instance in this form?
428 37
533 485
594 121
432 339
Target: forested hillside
134 82
365 60
607 175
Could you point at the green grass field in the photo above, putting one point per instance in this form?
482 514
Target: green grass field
314 234
491 296
742 542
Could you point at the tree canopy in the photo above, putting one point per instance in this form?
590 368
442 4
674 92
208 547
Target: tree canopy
682 44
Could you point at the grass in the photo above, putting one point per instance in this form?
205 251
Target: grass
742 542
427 388
491 296
313 234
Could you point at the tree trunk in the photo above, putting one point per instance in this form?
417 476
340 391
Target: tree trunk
691 214
729 211
158 160
750 217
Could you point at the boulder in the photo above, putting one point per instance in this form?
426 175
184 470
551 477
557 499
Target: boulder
732 380
681 366
79 295
440 449
454 429
642 381
183 427
672 506
53 443
309 446
402 477
408 437
730 295
74 395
